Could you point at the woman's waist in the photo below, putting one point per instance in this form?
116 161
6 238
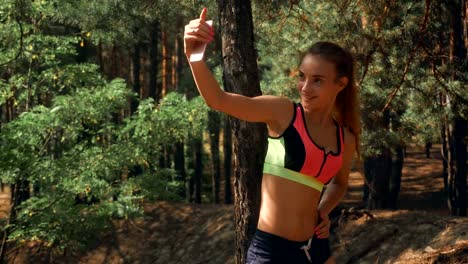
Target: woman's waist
295 227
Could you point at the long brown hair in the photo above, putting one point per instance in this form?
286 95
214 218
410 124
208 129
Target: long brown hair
346 109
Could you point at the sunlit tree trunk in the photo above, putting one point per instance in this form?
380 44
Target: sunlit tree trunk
164 67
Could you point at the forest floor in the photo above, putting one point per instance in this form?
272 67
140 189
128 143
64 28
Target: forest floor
421 231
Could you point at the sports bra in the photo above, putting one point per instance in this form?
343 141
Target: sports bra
295 156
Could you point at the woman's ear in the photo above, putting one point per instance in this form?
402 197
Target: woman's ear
343 82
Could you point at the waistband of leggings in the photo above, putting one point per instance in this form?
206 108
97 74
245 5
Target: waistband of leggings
277 241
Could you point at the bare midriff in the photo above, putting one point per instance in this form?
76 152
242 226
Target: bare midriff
288 209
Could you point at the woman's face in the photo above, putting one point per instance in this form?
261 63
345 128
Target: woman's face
317 82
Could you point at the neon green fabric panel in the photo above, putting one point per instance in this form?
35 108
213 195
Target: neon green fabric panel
282 172
276 151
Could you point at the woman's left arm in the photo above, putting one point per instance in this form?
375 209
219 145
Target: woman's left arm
337 187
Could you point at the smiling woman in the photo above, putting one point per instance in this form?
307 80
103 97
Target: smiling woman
311 144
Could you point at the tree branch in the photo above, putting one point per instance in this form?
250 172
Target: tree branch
437 75
411 56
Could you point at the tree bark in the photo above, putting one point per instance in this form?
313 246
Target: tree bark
227 148
457 159
378 168
164 70
241 76
198 170
213 129
395 177
136 75
153 90
179 166
377 174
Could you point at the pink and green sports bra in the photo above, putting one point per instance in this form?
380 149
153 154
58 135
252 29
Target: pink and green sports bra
295 156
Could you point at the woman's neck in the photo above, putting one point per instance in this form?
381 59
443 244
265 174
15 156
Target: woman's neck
319 117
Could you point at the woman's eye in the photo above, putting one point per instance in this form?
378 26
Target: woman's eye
300 76
318 81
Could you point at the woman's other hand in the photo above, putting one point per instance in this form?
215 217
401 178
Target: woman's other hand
322 230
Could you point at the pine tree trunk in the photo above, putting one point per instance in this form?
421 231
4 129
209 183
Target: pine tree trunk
164 71
377 171
198 170
241 76
136 75
444 154
175 64
395 177
153 91
460 168
179 167
457 159
397 161
213 128
227 148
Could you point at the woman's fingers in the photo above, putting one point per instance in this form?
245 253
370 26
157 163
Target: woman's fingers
323 228
201 28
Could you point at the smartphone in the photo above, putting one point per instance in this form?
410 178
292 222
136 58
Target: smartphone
199 50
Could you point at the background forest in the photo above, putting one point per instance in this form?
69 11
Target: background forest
99 113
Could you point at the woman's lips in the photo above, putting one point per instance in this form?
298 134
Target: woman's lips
309 96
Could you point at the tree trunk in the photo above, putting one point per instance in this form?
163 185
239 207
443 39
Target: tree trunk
449 161
444 154
397 161
136 75
198 170
378 169
213 128
458 123
460 167
179 167
114 68
241 76
153 90
377 172
164 71
395 177
227 148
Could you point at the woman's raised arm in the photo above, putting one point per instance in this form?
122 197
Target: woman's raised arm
272 110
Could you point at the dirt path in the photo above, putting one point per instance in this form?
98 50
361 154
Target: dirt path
422 185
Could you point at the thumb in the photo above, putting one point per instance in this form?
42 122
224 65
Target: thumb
203 14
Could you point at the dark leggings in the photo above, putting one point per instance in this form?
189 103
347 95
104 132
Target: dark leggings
270 248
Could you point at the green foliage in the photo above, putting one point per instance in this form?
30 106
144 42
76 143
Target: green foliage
67 142
157 186
49 219
384 37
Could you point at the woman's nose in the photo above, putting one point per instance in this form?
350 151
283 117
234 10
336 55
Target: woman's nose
307 85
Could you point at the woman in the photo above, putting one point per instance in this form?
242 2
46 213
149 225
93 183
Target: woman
310 144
